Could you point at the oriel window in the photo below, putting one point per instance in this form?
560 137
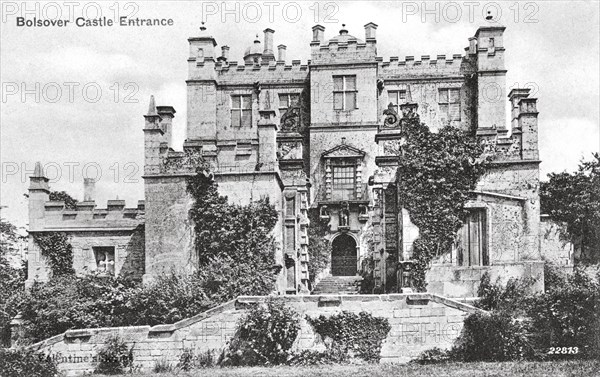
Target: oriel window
344 181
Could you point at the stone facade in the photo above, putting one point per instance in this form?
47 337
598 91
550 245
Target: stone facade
318 135
418 322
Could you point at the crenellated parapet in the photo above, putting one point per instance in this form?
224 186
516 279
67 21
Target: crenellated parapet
456 65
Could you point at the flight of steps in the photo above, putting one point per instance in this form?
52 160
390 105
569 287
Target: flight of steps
337 285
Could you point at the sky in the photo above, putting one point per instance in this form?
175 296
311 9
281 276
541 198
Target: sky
74 97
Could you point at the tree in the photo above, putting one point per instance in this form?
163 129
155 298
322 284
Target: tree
12 280
573 199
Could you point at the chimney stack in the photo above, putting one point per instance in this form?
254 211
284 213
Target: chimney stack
472 45
370 30
167 113
89 189
318 33
224 54
281 53
268 53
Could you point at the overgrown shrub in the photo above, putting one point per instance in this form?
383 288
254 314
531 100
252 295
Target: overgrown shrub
189 360
568 315
264 336
169 298
67 302
22 362
433 356
114 356
162 366
505 297
352 335
493 337
310 357
319 248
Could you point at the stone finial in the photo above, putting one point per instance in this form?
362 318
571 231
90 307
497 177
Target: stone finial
343 30
202 27
38 171
152 107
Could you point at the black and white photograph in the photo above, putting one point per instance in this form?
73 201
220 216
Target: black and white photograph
300 188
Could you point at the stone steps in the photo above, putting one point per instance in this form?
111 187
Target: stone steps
337 285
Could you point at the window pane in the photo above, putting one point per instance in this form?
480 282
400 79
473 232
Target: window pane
402 95
338 101
454 95
350 101
443 95
246 102
235 102
338 84
235 118
393 97
350 82
247 118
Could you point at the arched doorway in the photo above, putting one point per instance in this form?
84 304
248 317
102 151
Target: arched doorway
343 256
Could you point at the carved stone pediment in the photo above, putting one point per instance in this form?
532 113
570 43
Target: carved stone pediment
343 151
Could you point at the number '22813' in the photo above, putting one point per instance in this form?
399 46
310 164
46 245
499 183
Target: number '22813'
563 350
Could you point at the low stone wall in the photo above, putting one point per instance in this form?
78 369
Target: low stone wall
419 321
457 281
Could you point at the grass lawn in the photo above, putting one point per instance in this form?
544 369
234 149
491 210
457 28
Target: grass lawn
507 369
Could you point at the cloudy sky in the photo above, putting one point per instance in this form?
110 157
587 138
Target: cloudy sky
551 47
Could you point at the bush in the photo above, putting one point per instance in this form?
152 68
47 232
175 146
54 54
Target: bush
68 302
115 357
162 366
310 357
508 297
493 337
352 335
264 336
433 356
188 360
26 362
567 315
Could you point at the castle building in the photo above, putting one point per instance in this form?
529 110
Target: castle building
314 136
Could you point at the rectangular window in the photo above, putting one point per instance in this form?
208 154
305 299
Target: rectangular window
287 100
241 111
344 92
105 260
473 247
344 182
449 104
396 98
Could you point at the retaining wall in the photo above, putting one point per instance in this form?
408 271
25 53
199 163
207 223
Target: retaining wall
419 321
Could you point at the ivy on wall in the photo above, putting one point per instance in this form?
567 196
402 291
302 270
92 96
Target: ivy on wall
57 250
63 196
234 244
360 334
435 175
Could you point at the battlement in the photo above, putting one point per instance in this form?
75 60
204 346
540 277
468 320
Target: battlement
456 64
86 217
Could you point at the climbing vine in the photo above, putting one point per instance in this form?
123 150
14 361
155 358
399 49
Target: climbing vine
435 175
57 250
235 247
63 196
